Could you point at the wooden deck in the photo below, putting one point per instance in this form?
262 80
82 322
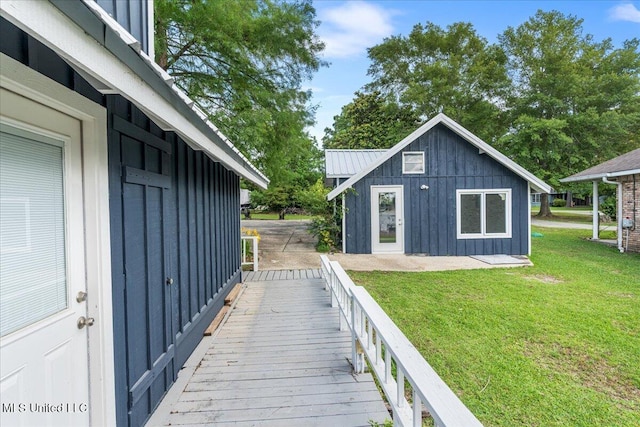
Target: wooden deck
260 276
279 360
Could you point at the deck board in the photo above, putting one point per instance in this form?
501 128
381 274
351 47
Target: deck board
279 360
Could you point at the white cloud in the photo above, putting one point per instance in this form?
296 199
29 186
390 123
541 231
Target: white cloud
625 12
353 26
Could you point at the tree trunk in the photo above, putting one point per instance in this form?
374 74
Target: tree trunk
545 210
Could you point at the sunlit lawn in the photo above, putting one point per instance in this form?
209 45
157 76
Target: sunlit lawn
570 215
557 344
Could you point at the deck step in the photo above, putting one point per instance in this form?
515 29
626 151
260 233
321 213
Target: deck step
233 294
216 321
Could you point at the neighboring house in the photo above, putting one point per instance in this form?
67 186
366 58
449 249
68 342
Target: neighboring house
439 191
624 172
120 228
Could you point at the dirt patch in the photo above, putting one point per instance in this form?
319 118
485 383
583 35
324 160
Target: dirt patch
544 279
594 373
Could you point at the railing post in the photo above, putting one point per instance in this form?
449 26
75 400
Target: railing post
332 278
417 409
255 253
354 337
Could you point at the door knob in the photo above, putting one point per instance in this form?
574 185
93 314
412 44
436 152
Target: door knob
85 321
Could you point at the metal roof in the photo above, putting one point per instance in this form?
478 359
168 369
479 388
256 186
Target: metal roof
626 164
482 146
346 163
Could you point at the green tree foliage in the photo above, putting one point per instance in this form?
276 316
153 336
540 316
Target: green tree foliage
454 71
243 61
574 102
370 121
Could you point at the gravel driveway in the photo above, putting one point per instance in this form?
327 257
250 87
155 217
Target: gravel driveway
284 245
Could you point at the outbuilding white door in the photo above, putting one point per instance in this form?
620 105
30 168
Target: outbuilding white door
387 218
43 346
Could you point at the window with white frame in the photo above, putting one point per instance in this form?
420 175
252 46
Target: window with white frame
483 213
412 162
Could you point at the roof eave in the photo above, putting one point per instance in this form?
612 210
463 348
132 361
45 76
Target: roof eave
599 176
71 30
462 132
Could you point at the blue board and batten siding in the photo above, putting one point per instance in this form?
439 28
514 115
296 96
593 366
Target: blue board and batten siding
451 163
175 252
173 214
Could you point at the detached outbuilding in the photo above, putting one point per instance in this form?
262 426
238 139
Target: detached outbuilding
439 191
624 172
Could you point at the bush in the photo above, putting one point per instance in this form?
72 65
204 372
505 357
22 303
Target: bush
559 203
327 232
609 208
314 198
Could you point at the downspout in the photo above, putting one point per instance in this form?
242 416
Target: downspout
618 210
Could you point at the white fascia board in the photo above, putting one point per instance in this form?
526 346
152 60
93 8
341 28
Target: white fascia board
535 182
43 21
599 176
461 131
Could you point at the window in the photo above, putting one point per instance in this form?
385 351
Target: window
33 282
483 213
412 162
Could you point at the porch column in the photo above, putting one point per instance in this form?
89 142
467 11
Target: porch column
596 217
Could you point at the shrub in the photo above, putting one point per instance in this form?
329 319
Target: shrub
609 208
327 232
559 203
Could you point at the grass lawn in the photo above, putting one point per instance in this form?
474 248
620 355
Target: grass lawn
570 215
557 344
274 215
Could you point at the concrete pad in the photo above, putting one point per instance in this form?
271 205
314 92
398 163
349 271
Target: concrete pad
501 259
393 262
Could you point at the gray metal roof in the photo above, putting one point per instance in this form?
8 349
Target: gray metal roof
346 163
626 164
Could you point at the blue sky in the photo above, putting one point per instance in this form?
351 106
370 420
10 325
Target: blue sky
349 27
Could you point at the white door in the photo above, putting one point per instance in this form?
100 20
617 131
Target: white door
387 231
43 351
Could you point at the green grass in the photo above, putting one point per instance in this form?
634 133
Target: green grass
556 344
274 215
570 215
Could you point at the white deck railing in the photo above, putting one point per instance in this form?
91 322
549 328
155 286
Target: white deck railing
253 241
387 349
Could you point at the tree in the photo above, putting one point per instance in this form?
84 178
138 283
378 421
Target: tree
454 71
573 102
370 121
243 62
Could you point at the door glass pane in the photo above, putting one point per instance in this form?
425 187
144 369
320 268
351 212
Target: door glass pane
496 209
32 230
470 214
387 215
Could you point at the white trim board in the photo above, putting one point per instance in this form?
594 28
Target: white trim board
46 23
482 146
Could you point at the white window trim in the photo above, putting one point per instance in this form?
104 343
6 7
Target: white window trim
483 220
404 171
